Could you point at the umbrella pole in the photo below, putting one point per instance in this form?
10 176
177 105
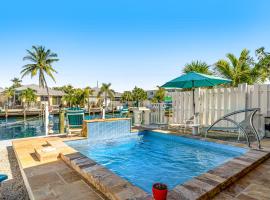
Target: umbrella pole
193 94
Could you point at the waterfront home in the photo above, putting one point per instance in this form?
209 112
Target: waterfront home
116 101
41 93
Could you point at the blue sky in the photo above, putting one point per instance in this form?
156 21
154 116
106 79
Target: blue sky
128 42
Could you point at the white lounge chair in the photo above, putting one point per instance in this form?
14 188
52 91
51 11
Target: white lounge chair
188 123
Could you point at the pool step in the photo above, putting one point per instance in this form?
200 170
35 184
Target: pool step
49 151
46 153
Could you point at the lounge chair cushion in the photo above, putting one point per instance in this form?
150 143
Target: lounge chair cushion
3 177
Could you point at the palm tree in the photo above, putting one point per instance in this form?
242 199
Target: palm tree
239 70
159 95
16 83
9 92
127 97
69 98
106 92
41 64
28 96
87 92
263 62
197 66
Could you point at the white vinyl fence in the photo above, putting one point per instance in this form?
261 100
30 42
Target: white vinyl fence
211 104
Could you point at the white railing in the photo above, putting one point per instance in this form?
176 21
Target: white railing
157 115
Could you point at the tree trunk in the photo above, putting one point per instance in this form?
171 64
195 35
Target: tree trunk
49 103
88 105
13 100
24 112
105 101
48 93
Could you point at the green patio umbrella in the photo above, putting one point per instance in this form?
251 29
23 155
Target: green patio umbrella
195 80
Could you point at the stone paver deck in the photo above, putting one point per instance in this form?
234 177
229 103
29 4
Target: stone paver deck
51 179
254 186
55 180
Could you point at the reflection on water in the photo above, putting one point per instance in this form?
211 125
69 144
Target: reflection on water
33 126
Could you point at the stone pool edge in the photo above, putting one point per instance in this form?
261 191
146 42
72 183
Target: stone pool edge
204 186
111 185
207 185
114 187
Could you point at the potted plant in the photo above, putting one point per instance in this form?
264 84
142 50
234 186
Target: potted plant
160 191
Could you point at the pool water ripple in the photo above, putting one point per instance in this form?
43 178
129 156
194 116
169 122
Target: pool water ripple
155 157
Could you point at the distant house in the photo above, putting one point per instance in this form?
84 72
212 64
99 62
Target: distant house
55 95
116 101
150 94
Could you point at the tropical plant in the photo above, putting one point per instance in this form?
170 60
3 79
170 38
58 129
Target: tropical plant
197 66
69 98
239 70
106 92
76 96
263 62
87 92
65 88
127 97
41 64
9 93
16 82
159 95
139 95
28 96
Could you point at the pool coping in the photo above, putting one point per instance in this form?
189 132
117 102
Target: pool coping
204 186
111 185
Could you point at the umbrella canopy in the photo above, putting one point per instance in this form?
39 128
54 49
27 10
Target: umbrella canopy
195 80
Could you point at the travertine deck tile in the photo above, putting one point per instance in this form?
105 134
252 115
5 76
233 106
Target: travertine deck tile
181 192
50 178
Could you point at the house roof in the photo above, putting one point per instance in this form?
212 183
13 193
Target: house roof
40 91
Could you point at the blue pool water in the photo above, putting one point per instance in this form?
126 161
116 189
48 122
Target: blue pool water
151 157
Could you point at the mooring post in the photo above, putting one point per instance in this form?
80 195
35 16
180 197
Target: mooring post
61 120
6 114
46 119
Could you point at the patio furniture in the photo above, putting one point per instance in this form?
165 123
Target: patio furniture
124 111
188 123
245 127
75 119
3 177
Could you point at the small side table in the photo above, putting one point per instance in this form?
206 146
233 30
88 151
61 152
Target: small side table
195 129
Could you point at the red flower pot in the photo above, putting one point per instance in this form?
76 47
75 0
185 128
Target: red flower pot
159 191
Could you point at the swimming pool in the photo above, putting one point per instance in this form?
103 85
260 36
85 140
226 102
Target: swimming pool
153 157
